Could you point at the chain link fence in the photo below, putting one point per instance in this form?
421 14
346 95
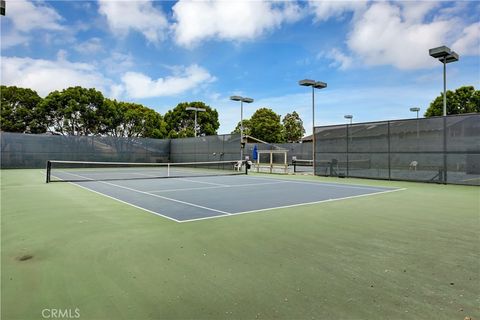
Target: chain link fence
32 151
439 149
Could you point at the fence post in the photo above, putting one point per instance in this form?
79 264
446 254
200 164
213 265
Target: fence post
389 156
348 142
444 149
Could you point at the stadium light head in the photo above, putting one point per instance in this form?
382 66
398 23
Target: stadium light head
2 7
307 82
440 52
415 109
242 99
312 83
453 57
195 109
348 116
320 85
443 54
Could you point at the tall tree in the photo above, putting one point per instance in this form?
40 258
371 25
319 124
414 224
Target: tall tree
73 111
265 125
246 127
293 127
124 119
180 122
463 100
19 110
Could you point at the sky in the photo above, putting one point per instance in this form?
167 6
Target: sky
372 54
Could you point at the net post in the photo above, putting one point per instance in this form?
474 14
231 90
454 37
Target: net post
49 169
168 169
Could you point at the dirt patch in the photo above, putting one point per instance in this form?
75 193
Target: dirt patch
25 257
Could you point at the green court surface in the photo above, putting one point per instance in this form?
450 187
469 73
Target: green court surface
412 254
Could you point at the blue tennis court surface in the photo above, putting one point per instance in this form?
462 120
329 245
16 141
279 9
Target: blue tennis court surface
197 198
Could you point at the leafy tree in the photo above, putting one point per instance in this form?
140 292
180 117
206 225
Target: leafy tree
73 111
180 122
265 125
293 127
124 119
246 127
19 110
463 100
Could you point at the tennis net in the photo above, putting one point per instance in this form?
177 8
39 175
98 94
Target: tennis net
76 171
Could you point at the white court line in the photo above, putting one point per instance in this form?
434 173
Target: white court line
122 201
155 195
211 183
336 185
218 187
166 198
292 205
226 214
186 189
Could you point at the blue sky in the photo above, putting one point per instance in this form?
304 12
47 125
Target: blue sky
373 55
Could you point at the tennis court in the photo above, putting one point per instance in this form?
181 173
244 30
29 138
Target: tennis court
201 190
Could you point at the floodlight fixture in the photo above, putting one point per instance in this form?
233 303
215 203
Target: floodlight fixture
315 85
312 83
439 52
348 116
242 99
453 57
320 85
444 55
2 7
415 109
306 82
196 110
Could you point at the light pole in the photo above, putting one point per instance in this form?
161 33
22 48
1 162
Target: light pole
415 109
196 110
348 116
315 85
242 100
444 55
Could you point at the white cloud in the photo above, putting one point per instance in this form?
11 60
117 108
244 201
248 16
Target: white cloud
118 63
12 39
27 16
139 85
140 16
236 20
383 35
469 41
116 91
398 33
415 11
45 76
324 10
340 59
90 46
